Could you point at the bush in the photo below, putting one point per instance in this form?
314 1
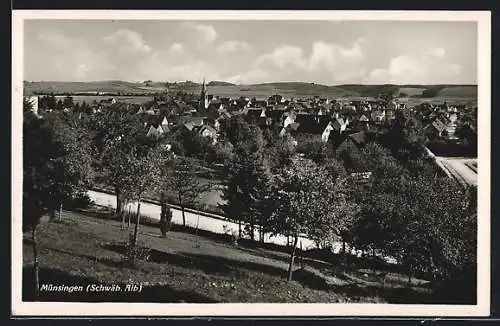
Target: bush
135 253
78 201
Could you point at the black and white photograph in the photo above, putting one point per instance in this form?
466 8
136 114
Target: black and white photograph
194 158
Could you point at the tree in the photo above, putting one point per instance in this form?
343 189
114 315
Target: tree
186 184
143 173
308 201
72 170
165 217
49 172
246 173
402 220
116 134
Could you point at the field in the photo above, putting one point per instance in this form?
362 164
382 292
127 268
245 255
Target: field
183 267
451 93
124 99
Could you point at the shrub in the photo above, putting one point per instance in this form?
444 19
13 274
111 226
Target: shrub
134 253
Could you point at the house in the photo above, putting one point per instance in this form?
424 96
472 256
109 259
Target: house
340 125
290 118
208 131
326 132
378 115
348 148
157 127
435 129
364 122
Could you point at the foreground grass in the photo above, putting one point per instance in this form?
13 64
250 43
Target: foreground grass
183 267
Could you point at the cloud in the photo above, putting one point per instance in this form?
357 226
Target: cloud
73 58
177 48
128 42
284 57
198 35
325 61
430 66
233 46
436 52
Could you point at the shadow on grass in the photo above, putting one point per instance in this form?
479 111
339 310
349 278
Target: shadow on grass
223 266
409 295
48 276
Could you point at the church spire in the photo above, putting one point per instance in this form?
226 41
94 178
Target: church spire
203 96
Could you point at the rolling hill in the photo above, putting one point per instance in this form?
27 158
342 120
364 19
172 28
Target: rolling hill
289 89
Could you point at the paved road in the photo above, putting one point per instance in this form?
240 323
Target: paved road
457 166
203 222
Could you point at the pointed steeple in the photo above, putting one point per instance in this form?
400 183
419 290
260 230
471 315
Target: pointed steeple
203 96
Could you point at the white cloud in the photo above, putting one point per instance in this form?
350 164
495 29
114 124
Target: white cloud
435 52
198 35
233 46
326 61
177 48
74 59
429 67
128 42
283 57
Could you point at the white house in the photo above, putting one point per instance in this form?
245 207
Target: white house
326 133
289 120
33 100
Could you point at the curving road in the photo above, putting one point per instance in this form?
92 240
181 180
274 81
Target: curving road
460 168
192 219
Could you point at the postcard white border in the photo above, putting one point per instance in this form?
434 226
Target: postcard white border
19 308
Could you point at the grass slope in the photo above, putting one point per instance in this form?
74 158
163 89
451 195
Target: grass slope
88 250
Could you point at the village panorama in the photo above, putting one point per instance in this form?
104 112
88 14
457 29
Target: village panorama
210 191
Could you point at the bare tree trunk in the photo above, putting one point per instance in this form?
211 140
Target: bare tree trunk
119 202
123 222
182 210
60 211
410 272
292 258
252 229
197 237
137 222
129 217
302 264
239 228
36 267
261 235
373 260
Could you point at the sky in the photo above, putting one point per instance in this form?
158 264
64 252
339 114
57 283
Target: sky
246 52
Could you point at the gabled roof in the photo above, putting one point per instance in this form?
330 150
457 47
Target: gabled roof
311 123
438 125
359 138
189 119
209 128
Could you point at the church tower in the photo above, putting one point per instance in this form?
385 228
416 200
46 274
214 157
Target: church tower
203 97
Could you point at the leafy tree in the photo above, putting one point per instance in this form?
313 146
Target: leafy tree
308 201
245 176
142 173
402 220
186 184
117 134
53 168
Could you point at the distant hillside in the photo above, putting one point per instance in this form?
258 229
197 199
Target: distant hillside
86 87
219 83
289 89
